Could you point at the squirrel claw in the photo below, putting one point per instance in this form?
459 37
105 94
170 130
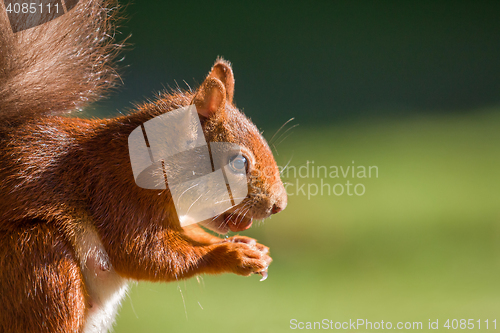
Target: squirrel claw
264 275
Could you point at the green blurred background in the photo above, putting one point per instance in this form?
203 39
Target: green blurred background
410 87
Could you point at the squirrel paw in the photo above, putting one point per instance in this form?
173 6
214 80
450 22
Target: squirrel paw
247 240
249 257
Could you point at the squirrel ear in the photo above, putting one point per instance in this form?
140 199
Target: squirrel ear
211 97
222 70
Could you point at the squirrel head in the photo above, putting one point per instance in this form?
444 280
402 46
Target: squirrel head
223 122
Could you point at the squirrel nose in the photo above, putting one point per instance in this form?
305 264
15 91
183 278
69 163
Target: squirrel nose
280 200
278 207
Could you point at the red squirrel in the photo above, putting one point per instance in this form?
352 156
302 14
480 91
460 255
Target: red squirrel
75 229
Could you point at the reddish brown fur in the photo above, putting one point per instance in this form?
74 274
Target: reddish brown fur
58 171
42 288
59 66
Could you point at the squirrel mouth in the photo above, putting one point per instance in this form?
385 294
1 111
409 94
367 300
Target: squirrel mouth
237 223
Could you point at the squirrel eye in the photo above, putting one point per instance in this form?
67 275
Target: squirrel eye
238 164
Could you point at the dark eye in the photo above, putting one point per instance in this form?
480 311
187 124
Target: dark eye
238 164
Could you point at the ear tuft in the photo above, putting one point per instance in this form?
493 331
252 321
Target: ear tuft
222 70
211 97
